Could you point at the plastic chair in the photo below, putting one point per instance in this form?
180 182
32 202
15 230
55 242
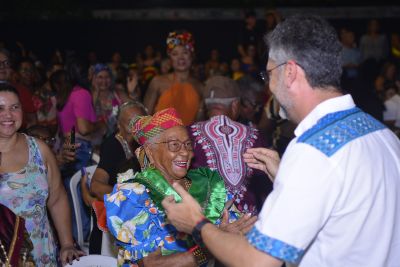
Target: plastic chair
95 261
108 247
96 158
73 185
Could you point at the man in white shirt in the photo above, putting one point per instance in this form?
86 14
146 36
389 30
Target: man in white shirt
336 197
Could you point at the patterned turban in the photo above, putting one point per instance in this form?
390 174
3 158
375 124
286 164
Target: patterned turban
144 128
184 39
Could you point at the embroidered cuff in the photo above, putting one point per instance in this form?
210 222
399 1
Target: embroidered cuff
274 247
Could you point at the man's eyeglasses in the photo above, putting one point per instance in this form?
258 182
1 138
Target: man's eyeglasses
176 145
265 74
5 64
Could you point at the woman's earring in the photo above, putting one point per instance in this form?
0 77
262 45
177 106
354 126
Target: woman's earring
151 165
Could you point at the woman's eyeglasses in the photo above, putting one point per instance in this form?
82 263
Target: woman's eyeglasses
176 145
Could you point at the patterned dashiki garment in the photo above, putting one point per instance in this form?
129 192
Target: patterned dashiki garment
219 144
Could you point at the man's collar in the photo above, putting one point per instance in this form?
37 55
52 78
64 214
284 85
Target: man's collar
328 106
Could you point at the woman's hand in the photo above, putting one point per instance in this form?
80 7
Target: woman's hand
86 196
68 253
241 226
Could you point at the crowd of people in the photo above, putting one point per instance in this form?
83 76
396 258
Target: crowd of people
191 153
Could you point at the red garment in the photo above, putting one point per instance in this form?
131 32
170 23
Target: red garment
100 211
25 97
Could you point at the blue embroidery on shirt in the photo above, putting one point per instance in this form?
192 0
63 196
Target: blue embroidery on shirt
274 247
335 130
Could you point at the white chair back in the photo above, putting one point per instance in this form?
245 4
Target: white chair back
95 158
108 246
95 261
73 185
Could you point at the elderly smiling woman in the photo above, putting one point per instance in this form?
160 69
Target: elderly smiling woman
134 212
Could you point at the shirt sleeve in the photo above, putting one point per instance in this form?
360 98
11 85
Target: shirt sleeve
132 219
83 106
305 192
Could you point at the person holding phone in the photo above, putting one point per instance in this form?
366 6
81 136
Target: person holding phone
78 122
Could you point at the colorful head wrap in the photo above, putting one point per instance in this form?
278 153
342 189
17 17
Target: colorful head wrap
101 67
184 39
145 127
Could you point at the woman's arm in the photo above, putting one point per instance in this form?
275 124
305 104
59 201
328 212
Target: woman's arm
99 186
85 127
87 197
58 206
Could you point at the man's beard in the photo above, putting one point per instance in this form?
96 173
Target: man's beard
282 97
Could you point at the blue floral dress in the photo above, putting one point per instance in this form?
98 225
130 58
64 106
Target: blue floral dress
140 226
25 192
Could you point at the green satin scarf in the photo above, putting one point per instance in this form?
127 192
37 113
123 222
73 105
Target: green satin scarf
207 188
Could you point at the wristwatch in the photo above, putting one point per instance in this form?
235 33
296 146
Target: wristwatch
196 233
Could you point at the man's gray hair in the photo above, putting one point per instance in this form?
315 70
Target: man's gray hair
313 44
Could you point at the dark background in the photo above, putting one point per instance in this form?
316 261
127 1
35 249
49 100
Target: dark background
45 25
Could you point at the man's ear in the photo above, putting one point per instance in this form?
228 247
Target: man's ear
290 73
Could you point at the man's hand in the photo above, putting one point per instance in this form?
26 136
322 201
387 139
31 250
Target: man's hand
184 215
263 159
241 226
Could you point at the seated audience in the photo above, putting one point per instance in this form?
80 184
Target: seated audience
115 151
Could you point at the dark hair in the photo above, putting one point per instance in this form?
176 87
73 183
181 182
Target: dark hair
249 13
34 128
61 84
25 59
248 83
77 72
6 87
5 52
313 43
